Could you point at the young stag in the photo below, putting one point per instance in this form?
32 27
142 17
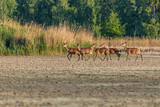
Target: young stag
71 51
114 51
84 51
102 50
132 51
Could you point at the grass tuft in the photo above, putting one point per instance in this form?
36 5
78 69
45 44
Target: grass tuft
33 39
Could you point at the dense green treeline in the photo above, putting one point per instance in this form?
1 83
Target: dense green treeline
113 18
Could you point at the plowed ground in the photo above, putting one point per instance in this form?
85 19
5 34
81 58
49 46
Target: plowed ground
55 81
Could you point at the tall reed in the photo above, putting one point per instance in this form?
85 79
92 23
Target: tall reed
31 39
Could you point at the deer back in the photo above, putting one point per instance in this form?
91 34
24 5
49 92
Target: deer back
113 50
100 50
74 50
133 50
86 50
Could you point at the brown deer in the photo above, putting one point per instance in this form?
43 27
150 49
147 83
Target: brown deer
102 50
132 51
84 51
114 51
71 51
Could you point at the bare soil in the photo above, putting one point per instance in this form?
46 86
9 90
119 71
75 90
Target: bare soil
53 81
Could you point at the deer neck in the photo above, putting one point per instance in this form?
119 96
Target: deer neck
79 48
67 48
125 47
92 47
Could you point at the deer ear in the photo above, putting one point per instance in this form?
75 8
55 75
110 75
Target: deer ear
65 43
101 45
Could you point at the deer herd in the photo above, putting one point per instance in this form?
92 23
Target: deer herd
82 52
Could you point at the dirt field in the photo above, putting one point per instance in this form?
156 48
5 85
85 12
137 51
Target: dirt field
55 81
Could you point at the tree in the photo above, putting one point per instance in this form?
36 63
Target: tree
26 10
113 27
94 15
60 12
44 12
7 7
152 28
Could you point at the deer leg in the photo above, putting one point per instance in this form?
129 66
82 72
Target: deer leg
136 58
110 57
104 58
100 58
95 57
88 58
127 57
118 56
82 57
107 56
141 57
68 56
78 57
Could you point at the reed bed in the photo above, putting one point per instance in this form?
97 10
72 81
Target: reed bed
31 39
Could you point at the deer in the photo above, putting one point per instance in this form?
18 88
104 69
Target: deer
129 51
84 51
102 50
114 51
71 51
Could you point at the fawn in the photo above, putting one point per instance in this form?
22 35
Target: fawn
71 51
114 51
84 51
102 50
132 51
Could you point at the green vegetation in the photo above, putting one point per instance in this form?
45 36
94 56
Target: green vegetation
10 44
31 39
113 27
113 18
41 26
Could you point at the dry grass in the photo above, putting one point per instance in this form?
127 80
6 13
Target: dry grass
57 35
28 31
63 33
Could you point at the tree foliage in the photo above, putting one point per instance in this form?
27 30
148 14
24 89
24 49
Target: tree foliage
104 17
113 27
7 7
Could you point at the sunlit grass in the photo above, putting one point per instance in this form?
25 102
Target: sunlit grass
33 39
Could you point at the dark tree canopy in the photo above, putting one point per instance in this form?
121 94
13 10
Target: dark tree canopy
112 18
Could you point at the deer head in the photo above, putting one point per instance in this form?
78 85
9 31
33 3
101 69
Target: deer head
101 46
64 44
124 44
93 45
